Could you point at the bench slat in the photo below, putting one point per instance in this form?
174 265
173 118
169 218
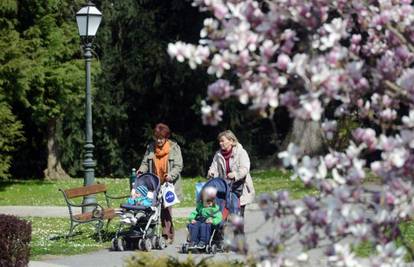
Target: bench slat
108 213
85 190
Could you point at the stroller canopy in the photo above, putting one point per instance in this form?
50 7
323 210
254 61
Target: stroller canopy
151 181
225 198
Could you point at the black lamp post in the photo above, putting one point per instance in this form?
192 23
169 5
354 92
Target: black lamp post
88 19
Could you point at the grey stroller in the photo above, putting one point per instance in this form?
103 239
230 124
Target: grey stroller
140 226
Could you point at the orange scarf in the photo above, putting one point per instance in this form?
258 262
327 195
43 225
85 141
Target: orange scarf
161 160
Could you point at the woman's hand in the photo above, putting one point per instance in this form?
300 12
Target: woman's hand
231 175
210 174
138 173
167 178
193 221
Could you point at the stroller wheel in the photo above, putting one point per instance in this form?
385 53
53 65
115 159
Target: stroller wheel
208 249
184 248
141 245
161 244
121 244
148 244
114 245
213 249
154 242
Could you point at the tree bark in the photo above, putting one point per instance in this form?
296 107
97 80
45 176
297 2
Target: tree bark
54 170
307 135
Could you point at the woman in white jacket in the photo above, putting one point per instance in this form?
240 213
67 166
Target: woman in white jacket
232 163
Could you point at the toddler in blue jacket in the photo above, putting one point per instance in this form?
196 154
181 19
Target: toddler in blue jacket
139 196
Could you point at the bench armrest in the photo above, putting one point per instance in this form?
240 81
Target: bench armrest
108 197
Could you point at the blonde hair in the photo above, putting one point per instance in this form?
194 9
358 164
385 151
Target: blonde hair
229 135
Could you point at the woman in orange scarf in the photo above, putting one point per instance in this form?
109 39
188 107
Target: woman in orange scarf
163 158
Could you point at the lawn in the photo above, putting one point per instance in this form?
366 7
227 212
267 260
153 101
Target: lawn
45 193
48 237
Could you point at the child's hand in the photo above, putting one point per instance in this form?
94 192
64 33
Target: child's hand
193 221
133 194
209 220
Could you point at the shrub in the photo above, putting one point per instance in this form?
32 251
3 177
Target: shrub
147 260
15 237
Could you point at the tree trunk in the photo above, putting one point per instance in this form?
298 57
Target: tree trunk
307 135
54 170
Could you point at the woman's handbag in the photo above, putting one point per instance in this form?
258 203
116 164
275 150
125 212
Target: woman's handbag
169 196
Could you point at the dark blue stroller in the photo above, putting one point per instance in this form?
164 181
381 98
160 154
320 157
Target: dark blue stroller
229 204
143 223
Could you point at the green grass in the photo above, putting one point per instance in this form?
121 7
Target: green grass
48 237
45 193
273 180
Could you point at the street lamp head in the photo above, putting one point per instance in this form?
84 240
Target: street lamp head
88 19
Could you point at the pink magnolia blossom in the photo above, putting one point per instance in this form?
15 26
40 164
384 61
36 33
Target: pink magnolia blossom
219 90
324 61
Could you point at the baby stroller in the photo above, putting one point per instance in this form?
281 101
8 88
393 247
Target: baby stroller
229 204
143 223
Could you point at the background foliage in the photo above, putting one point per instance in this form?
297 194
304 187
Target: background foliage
135 86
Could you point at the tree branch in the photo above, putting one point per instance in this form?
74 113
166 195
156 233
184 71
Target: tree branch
400 36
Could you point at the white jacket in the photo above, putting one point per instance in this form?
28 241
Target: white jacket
240 165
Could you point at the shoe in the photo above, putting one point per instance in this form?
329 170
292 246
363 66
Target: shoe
192 245
201 245
126 221
139 216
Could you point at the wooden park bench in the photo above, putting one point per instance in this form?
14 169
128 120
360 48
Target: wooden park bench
98 213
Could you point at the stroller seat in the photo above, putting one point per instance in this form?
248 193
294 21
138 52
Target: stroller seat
228 203
140 225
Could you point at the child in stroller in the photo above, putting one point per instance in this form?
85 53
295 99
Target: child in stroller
141 217
228 203
139 197
203 217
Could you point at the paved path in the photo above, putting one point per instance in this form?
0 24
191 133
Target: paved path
256 229
107 258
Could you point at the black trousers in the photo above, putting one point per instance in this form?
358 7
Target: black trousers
242 215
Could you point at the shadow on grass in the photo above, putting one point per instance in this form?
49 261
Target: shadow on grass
76 236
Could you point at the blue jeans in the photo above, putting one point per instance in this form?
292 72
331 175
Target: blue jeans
200 231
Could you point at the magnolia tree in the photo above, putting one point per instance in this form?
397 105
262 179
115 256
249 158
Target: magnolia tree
354 57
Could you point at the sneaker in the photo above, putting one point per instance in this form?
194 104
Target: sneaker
192 244
201 245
